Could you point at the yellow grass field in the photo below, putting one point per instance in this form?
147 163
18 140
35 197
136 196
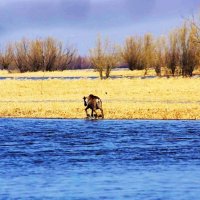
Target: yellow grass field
75 73
159 98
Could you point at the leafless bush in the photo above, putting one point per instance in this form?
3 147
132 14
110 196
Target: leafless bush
189 49
80 62
159 61
36 55
46 55
104 57
172 53
65 56
6 56
21 55
148 52
132 53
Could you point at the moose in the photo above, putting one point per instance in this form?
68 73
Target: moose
94 103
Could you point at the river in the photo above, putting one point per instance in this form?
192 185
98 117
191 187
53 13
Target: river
99 159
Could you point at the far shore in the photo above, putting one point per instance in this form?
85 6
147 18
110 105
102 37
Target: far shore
159 99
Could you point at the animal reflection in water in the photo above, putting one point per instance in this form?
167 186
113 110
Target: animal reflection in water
94 103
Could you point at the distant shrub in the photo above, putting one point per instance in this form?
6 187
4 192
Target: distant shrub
42 55
172 53
6 57
132 53
104 57
189 50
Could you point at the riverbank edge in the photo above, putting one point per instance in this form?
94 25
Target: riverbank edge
105 119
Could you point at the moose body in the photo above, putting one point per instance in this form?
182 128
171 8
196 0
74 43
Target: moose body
94 103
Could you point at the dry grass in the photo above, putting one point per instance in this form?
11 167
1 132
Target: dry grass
160 98
112 110
83 73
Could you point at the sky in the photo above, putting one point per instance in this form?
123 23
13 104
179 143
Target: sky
79 22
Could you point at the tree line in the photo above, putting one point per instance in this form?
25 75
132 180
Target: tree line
178 53
175 54
37 55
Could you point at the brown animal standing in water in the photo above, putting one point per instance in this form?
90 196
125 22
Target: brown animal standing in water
94 103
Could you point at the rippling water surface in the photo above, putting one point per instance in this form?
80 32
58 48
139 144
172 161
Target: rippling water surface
82 159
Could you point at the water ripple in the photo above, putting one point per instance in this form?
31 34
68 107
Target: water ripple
80 159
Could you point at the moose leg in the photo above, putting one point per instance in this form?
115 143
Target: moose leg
87 112
102 115
95 115
92 113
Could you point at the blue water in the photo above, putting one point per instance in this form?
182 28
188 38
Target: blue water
111 159
70 77
47 78
39 78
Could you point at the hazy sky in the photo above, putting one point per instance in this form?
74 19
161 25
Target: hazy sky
78 22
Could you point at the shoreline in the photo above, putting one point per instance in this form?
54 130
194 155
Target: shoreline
86 119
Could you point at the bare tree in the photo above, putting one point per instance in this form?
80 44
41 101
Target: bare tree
36 55
148 52
21 55
80 62
112 57
189 50
6 57
104 57
172 53
56 57
50 53
97 56
46 55
195 26
65 57
132 53
159 61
